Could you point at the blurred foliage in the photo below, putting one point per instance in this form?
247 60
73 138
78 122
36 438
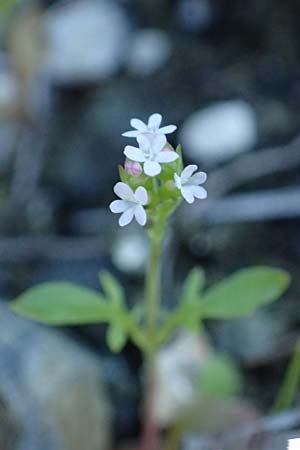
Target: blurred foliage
6 6
220 378
291 383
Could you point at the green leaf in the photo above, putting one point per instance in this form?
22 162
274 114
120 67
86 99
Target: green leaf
62 303
189 303
290 383
193 286
112 289
219 378
116 337
243 292
6 6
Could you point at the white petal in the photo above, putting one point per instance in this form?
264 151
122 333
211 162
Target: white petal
187 172
187 194
158 143
138 125
199 192
166 156
152 168
154 121
124 191
126 217
199 178
118 206
144 142
133 153
141 195
140 215
177 180
168 129
132 133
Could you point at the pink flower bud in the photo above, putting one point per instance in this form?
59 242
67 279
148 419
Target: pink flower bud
133 168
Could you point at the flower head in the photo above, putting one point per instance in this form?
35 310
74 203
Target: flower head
150 129
131 204
151 153
188 183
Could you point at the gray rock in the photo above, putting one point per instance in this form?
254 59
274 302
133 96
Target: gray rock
195 15
219 131
149 51
51 390
86 40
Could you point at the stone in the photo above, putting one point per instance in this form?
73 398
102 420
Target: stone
194 15
177 367
51 390
130 252
86 40
148 52
219 132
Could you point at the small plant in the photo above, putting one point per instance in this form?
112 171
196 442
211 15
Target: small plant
153 183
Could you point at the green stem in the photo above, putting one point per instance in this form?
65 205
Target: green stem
152 308
152 289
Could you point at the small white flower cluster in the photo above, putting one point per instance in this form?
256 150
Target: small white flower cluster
152 151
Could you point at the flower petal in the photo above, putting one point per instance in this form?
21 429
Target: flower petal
140 215
118 206
124 191
138 124
158 143
199 192
144 142
152 168
133 153
141 195
198 178
132 133
166 156
154 121
168 129
177 180
126 217
188 171
187 194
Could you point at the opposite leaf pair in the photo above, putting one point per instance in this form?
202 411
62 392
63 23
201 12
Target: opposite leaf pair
239 295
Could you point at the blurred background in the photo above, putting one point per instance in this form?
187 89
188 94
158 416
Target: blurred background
72 75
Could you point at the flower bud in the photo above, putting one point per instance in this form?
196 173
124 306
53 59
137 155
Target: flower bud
133 168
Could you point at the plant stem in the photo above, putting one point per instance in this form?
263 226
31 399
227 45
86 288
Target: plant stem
152 299
152 290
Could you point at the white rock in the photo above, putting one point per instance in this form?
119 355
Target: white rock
130 252
219 131
149 51
294 444
177 369
86 40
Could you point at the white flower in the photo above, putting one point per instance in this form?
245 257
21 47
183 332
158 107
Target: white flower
150 129
131 204
151 153
294 444
188 183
